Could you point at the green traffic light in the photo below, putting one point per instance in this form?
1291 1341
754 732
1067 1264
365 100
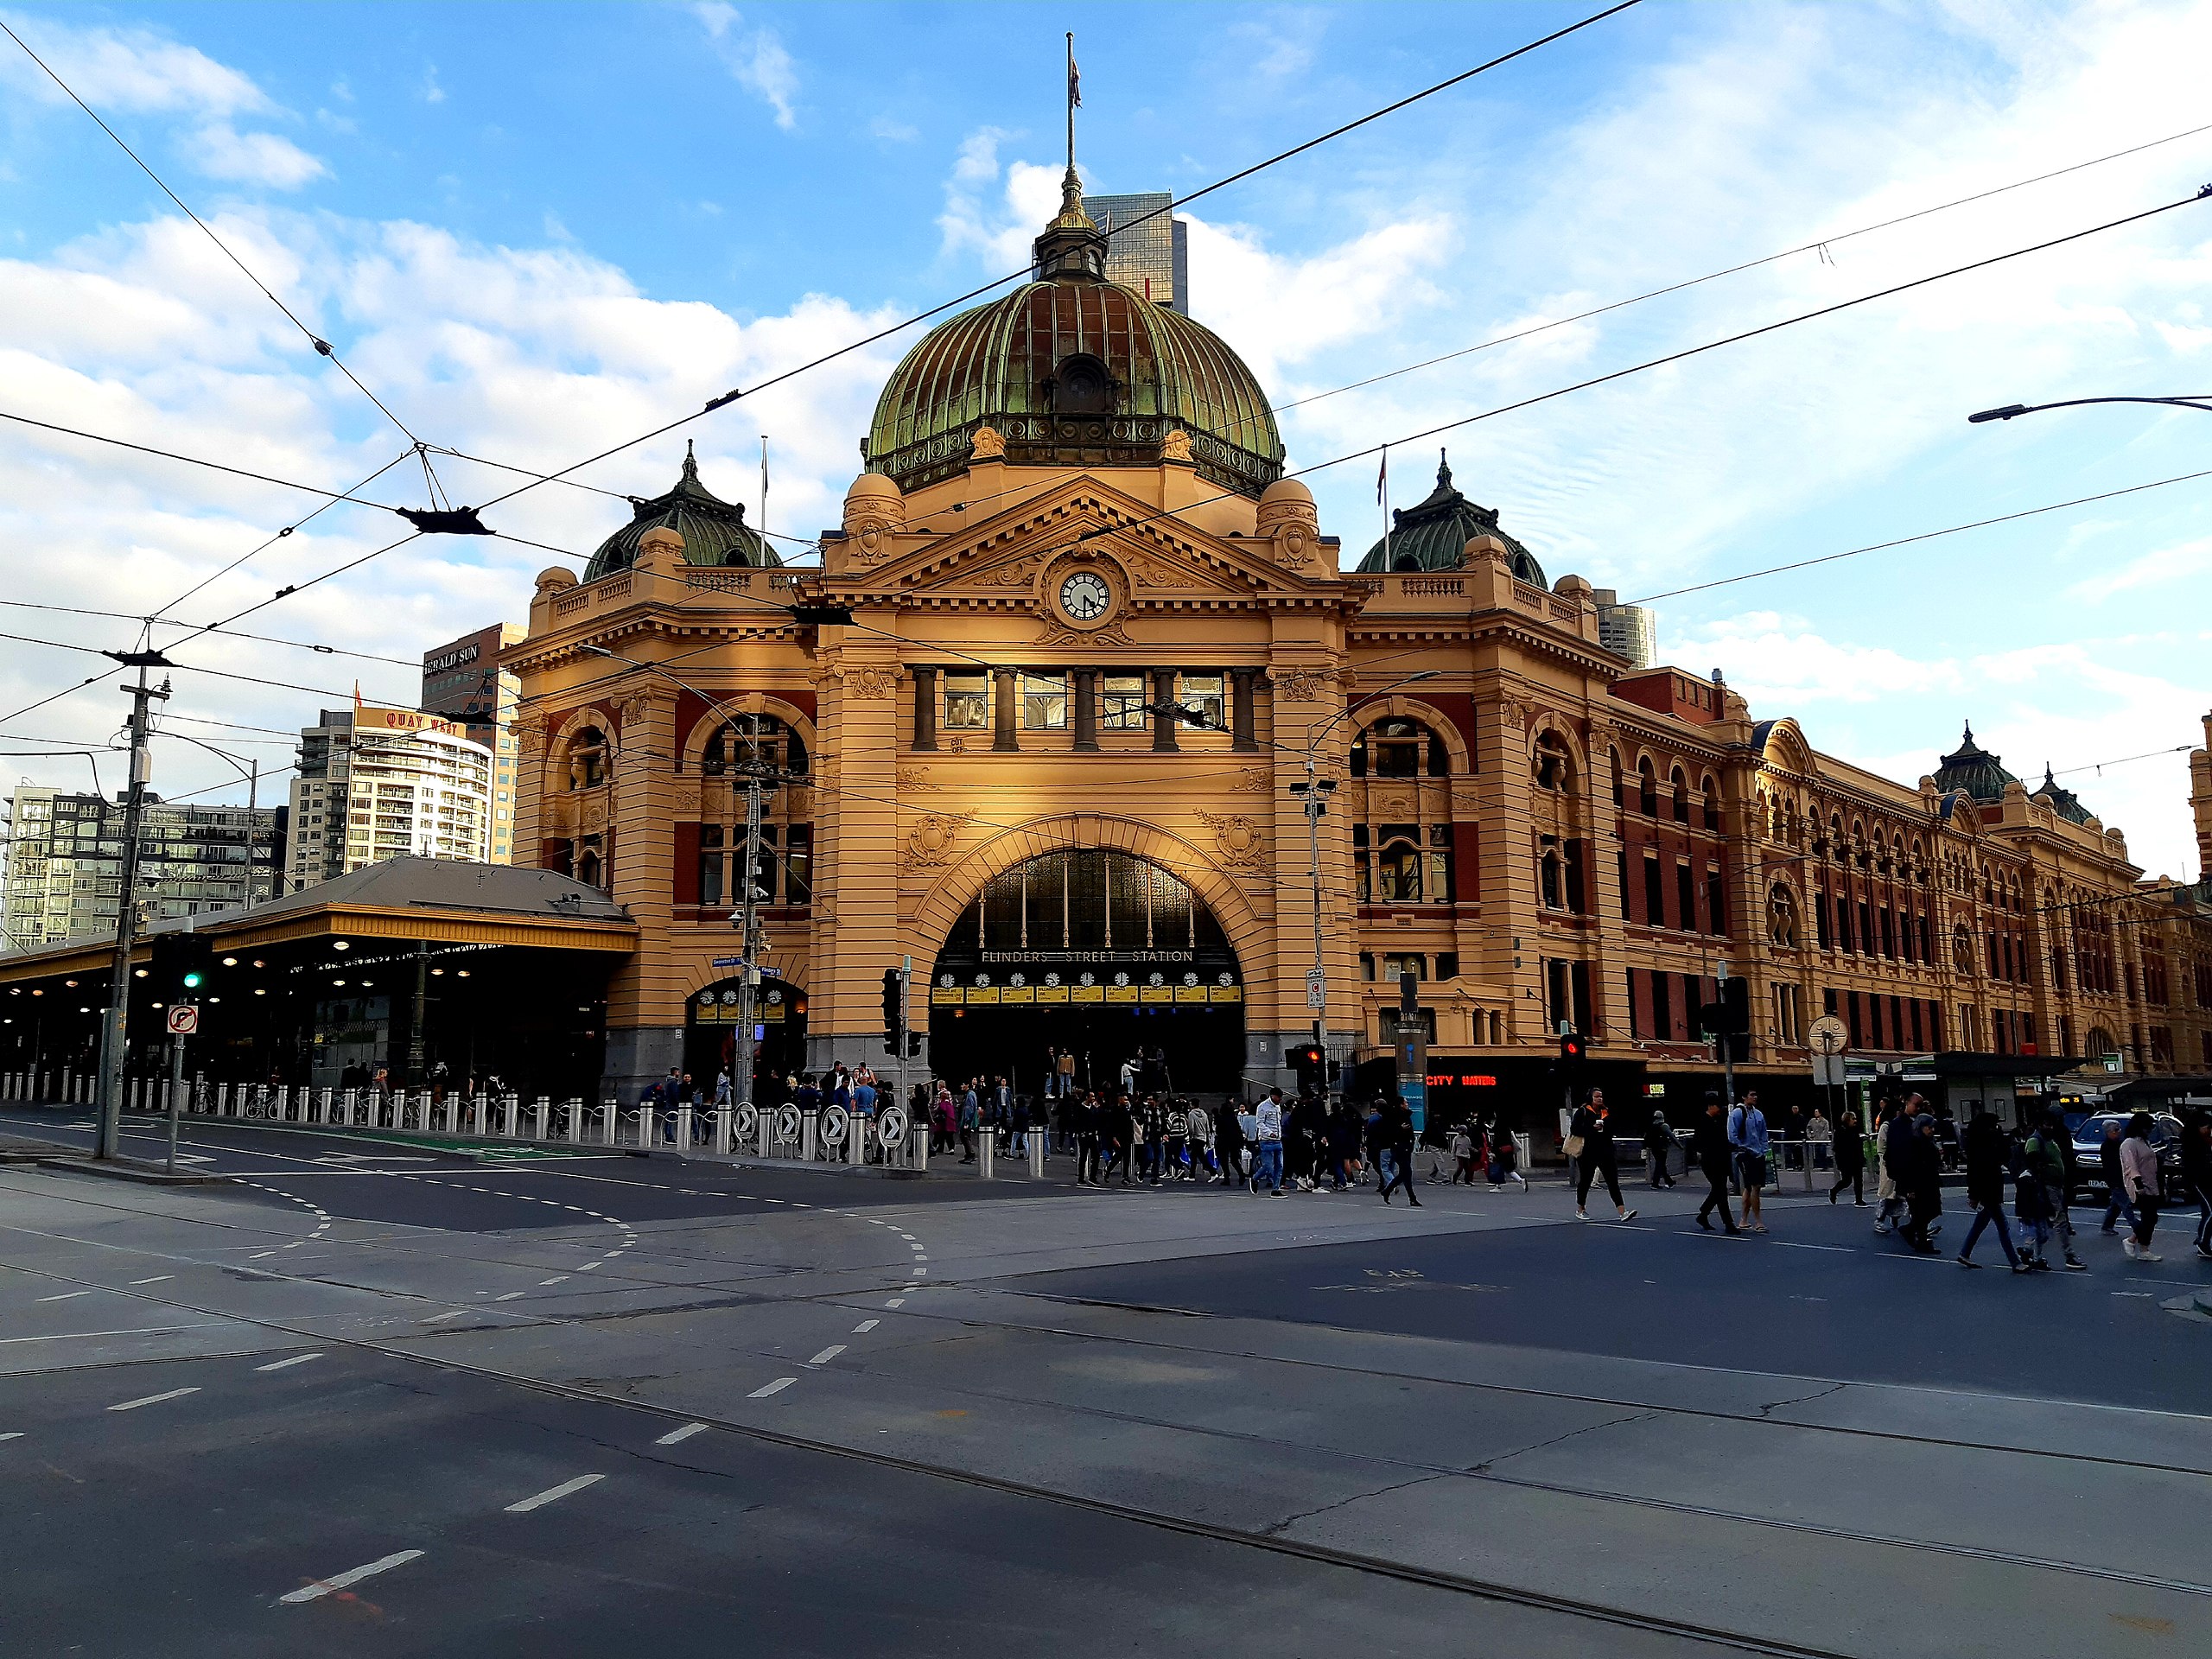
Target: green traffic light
192 982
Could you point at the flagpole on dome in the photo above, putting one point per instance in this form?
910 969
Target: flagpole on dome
1075 101
1382 494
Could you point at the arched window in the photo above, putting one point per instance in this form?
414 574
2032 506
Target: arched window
1647 788
1711 790
1398 747
753 742
1620 788
1081 386
1398 865
1552 880
587 761
587 869
1781 915
1553 764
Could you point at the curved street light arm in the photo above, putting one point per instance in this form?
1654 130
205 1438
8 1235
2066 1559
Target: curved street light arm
2009 411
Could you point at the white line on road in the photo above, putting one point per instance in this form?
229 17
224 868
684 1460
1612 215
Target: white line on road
555 1280
919 1272
258 1255
12 1434
551 1494
682 1434
286 1364
154 1399
865 1325
511 1295
158 1278
762 1393
323 1588
135 1331
828 1354
66 1296
588 1267
450 1313
896 1301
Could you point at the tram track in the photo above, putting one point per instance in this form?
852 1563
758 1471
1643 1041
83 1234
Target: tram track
1583 1611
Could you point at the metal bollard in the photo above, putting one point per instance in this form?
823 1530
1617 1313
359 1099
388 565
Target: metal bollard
542 1110
575 1106
984 1144
613 1108
644 1126
510 1108
810 1129
684 1128
722 1115
766 1129
919 1138
858 1128
1037 1154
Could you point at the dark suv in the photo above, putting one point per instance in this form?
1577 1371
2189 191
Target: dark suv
2088 1152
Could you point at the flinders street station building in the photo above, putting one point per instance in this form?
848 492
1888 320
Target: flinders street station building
1098 643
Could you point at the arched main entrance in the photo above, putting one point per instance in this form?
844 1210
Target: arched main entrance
1092 951
711 1032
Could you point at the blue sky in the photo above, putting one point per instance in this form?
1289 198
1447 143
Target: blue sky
538 230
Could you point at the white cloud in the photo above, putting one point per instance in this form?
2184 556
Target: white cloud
137 71
756 58
992 213
2161 567
221 151
432 92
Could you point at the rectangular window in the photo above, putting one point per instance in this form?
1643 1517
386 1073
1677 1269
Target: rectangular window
1820 919
1693 1004
1686 896
1635 1012
1440 863
1447 965
710 864
1556 986
1716 901
1201 694
967 702
1044 703
1578 889
1654 904
1625 911
1842 922
1889 933
1366 966
1397 965
1121 703
1398 866
1662 1012
798 866
1363 867
1865 928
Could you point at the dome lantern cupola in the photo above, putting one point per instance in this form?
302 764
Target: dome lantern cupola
1434 534
1973 769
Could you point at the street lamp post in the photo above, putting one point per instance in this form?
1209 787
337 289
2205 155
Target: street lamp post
115 1027
2013 411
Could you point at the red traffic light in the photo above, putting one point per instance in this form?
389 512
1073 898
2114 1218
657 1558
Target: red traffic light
1571 1050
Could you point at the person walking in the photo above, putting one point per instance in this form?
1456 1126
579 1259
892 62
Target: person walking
1887 1134
1659 1143
2046 1152
2139 1168
1985 1147
1850 1159
1462 1144
1709 1144
1267 1147
1505 1153
1747 1135
1589 1135
2196 1176
1228 1145
2116 1200
1921 1179
1398 1120
1087 1123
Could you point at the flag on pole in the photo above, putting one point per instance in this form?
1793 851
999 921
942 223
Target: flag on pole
1075 77
763 526
1382 477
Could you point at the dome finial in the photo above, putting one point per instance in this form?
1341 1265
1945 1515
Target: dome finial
1443 469
1072 245
691 462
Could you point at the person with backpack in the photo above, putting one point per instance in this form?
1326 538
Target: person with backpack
1228 1145
1659 1143
2139 1168
1590 1143
1504 1154
1919 1172
2048 1153
1985 1148
1747 1135
1398 1120
1851 1159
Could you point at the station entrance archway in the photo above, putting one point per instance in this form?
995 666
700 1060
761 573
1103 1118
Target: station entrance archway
1092 951
710 1032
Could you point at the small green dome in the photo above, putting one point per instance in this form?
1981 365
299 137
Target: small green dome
1433 535
2064 801
1975 770
714 531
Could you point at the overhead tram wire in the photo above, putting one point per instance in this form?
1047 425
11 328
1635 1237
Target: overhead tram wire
321 345
259 639
736 393
1924 535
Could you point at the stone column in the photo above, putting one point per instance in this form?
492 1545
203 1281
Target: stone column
645 1000
1086 710
1003 710
926 709
1239 716
855 933
1163 723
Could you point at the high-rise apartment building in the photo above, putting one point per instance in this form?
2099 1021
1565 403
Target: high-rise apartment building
378 783
1154 256
65 862
462 681
1630 631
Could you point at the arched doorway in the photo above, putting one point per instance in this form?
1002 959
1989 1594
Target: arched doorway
1092 951
779 1018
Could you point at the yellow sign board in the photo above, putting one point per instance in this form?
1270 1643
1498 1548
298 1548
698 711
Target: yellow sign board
1087 994
1224 992
1121 993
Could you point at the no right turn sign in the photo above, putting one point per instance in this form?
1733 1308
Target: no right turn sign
184 1019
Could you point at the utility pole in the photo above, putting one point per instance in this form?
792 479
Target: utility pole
1314 794
417 1049
749 976
114 1030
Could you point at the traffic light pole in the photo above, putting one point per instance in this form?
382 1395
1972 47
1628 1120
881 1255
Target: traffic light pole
176 1087
115 1029
749 976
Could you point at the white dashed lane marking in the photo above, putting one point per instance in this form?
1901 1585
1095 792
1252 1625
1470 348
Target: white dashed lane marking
682 1434
828 1354
553 1494
287 1364
321 1587
776 1387
153 1399
66 1296
865 1325
159 1278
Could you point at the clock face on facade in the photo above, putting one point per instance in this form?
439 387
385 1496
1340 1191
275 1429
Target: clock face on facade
1084 596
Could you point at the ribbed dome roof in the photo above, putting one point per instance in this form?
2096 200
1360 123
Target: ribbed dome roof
1975 770
2064 801
714 531
1434 534
1073 370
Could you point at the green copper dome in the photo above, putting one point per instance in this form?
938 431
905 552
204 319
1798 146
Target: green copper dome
1975 770
2064 801
1074 371
1433 535
714 531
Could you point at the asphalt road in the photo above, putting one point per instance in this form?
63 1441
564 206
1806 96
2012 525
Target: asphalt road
942 1417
